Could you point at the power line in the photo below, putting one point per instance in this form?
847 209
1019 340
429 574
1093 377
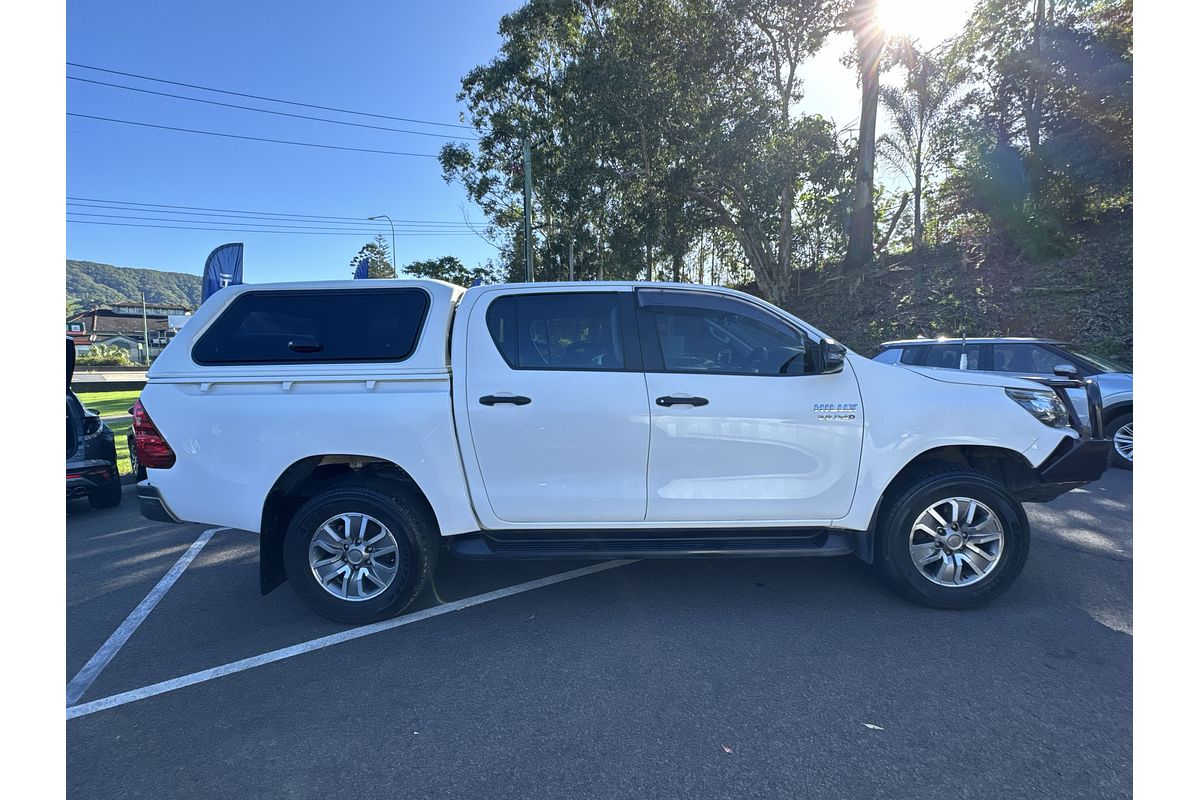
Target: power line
163 208
268 99
332 226
268 111
243 230
251 138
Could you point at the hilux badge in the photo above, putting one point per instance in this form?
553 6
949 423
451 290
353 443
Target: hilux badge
836 412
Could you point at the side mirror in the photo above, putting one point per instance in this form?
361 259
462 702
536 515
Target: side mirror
831 356
1066 371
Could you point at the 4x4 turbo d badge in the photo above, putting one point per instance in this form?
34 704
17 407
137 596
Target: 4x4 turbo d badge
836 412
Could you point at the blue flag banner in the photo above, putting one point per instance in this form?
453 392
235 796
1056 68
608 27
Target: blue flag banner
363 270
223 268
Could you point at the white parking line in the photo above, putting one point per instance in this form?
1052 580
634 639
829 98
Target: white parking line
96 664
327 641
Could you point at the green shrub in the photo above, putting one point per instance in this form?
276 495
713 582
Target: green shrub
105 355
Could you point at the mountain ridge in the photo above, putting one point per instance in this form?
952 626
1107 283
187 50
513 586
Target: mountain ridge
91 283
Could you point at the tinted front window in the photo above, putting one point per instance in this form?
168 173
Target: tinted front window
315 327
1098 363
577 330
708 333
1026 359
912 355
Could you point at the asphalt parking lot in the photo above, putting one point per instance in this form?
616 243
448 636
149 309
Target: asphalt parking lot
707 678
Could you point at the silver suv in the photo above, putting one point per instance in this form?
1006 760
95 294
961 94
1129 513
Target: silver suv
1033 358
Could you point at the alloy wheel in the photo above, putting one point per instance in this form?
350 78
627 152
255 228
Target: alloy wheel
956 542
354 557
1123 441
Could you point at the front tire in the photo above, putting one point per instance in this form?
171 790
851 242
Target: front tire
360 551
1120 430
950 537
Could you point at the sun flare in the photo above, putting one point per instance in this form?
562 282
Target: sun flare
929 21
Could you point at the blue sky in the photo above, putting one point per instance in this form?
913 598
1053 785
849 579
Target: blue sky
399 59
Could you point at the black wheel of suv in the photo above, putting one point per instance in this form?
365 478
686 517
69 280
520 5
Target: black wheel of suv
1120 430
139 472
360 551
951 537
107 496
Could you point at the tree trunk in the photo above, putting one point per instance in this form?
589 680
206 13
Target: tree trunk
677 267
869 40
887 237
784 253
918 223
1033 106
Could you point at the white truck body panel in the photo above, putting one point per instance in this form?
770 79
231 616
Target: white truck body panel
592 451
236 429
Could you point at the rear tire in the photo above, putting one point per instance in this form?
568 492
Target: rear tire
1120 430
107 496
139 472
978 553
353 592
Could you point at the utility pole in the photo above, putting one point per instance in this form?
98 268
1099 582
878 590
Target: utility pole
527 158
145 328
571 260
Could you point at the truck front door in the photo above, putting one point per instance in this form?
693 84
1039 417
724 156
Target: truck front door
556 404
741 426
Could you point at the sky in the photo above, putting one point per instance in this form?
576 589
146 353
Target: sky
395 59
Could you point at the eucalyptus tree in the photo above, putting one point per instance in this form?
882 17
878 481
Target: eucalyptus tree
1050 102
654 120
869 42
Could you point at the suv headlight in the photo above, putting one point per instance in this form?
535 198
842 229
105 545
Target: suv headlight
1046 406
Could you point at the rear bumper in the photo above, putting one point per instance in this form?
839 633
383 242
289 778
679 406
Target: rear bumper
151 504
86 476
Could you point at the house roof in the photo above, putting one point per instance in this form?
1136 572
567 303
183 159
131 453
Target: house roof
105 320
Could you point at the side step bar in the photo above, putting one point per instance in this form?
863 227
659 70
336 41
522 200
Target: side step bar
549 544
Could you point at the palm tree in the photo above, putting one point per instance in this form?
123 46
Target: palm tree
918 110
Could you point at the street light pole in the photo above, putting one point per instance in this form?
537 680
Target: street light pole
393 227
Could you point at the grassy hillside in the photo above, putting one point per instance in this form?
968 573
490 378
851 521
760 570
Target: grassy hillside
985 290
89 283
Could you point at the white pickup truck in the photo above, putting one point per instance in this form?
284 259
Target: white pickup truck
361 427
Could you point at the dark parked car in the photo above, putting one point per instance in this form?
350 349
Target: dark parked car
91 451
1037 358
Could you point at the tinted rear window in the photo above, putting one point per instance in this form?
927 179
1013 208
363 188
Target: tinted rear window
315 327
888 355
568 331
948 356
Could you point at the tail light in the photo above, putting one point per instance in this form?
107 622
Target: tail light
152 449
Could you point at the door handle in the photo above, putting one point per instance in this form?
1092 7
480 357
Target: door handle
514 399
305 346
671 400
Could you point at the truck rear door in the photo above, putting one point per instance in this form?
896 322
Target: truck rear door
556 406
